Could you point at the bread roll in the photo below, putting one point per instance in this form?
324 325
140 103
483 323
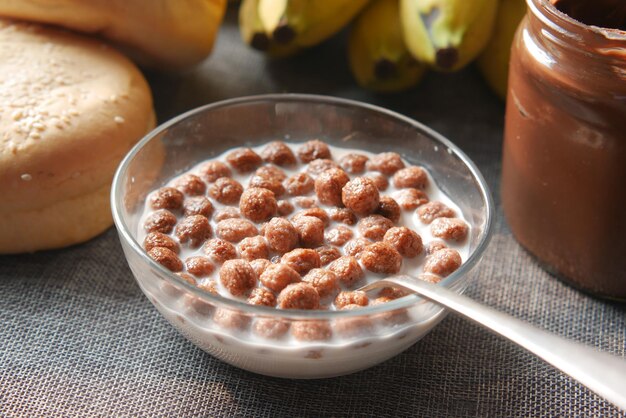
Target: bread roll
169 34
70 109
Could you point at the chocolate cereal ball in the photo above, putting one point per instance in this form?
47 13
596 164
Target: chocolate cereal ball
355 297
450 229
226 190
302 260
167 258
158 239
311 330
227 213
343 215
272 184
237 276
389 208
230 319
406 241
380 181
270 328
198 205
299 296
435 246
199 266
253 248
382 258
259 265
387 163
361 196
393 293
305 202
270 172
410 199
194 229
234 230
277 152
312 150
187 277
244 160
310 230
190 184
258 204
299 184
353 163
209 287
374 227
324 281
166 198
412 176
355 247
281 235
284 207
328 186
327 254
277 276
318 213
443 262
219 250
339 235
347 270
429 277
317 167
430 211
261 297
161 220
213 170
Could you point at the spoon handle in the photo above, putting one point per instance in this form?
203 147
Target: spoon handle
603 373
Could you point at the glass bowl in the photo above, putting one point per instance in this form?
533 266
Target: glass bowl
241 334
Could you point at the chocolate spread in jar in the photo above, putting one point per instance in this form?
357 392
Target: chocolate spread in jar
564 162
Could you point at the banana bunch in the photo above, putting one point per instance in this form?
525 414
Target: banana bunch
447 34
493 62
392 42
378 56
283 27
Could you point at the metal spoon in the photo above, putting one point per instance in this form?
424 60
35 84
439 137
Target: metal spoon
603 373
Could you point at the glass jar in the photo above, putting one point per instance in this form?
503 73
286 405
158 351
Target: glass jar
564 158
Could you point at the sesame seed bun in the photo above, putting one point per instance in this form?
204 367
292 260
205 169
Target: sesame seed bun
70 109
164 34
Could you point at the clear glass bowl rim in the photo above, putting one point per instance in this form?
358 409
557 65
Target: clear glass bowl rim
125 233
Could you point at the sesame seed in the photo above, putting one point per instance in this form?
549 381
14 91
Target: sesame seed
26 177
118 119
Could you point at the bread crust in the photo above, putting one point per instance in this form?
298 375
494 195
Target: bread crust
70 109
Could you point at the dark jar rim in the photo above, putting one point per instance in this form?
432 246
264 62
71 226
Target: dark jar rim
571 33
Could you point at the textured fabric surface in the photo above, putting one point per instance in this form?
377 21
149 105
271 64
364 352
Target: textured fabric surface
78 338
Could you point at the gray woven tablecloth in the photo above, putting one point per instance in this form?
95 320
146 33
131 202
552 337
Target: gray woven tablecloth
78 338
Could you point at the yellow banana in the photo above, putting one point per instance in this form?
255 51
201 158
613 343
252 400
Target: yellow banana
305 23
379 58
493 62
447 34
253 33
